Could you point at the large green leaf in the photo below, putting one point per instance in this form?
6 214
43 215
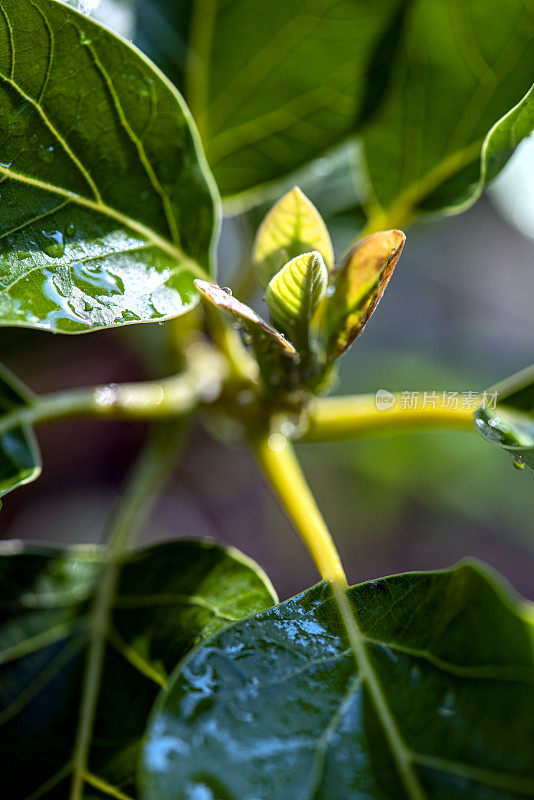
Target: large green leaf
271 84
20 461
444 129
169 597
506 416
432 77
107 210
423 691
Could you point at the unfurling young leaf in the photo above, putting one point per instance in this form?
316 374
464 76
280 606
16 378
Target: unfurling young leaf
293 226
272 350
252 322
20 461
294 293
506 416
359 287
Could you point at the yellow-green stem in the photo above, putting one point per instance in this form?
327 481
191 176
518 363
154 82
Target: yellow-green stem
277 459
337 418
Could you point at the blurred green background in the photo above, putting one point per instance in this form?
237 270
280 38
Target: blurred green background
457 316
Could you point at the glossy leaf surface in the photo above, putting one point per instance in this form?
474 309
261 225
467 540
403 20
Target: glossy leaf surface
169 597
107 211
293 226
459 69
20 461
429 78
294 293
430 703
271 85
506 416
359 287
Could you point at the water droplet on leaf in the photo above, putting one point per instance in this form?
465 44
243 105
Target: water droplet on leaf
53 244
519 463
70 229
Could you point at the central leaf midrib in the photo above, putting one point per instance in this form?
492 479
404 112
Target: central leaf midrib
145 232
402 755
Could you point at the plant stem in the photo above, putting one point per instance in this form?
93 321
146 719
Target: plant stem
166 399
277 459
131 512
337 418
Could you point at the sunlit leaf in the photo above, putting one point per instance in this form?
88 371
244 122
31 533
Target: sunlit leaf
506 416
361 283
107 209
428 79
294 293
169 597
252 322
444 128
420 689
272 85
20 461
293 226
274 353
505 136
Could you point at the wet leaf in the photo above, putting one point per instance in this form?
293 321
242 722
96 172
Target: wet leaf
419 689
256 327
293 226
359 287
506 416
108 210
294 294
169 597
20 461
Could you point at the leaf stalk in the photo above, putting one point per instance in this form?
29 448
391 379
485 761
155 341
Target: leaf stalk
279 464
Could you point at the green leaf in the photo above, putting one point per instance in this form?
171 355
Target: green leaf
169 597
506 417
271 85
444 128
107 207
505 136
359 287
294 294
274 86
429 696
20 461
293 226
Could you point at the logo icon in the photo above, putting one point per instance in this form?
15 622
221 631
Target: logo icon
384 400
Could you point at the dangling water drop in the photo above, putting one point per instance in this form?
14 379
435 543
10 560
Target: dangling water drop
519 462
53 244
